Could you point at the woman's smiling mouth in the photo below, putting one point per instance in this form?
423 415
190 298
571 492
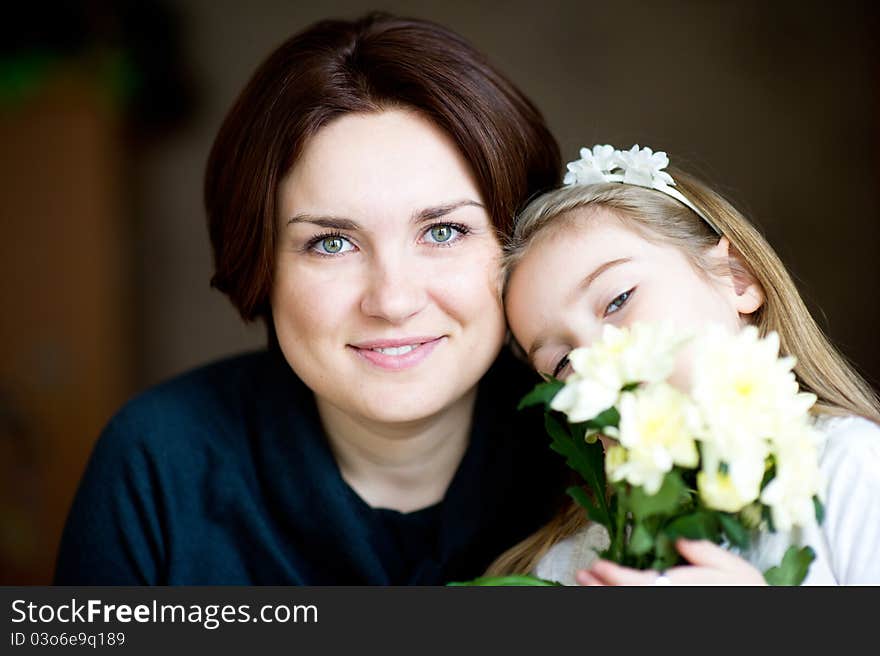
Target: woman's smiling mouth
397 354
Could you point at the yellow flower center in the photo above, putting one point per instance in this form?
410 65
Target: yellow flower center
725 483
744 387
661 428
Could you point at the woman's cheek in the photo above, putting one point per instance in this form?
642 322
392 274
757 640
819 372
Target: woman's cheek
471 284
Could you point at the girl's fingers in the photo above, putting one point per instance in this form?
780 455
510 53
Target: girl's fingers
694 575
604 572
710 565
585 577
612 574
715 565
708 554
703 552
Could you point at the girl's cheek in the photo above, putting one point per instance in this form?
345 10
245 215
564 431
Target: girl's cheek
681 377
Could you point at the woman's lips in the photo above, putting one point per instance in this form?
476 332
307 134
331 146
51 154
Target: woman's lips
397 354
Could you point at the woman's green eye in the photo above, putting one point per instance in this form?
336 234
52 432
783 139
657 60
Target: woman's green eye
332 244
441 233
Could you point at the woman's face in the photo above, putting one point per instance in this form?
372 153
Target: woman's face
591 270
384 296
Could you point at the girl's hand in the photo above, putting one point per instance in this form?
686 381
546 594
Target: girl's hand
710 565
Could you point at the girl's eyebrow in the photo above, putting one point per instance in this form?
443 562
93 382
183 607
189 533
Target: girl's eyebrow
341 223
536 346
598 271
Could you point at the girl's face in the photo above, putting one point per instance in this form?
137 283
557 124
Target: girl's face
384 296
591 270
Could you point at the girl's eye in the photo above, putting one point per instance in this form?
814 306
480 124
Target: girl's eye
444 233
330 245
619 302
560 366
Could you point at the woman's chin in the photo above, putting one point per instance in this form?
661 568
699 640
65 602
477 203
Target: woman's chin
409 407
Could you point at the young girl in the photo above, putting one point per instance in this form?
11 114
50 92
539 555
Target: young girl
622 242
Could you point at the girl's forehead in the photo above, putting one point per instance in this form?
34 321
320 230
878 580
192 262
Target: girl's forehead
582 232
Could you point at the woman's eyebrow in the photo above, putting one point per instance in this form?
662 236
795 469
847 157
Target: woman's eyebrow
431 213
340 223
336 222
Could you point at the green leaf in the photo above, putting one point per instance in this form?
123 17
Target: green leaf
542 394
641 540
609 417
513 579
699 525
769 471
666 555
736 533
793 569
586 459
594 512
582 498
665 502
557 431
767 516
820 509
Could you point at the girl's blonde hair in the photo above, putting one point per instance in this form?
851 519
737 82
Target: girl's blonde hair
820 368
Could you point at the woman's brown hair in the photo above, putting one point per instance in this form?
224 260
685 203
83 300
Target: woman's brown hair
336 67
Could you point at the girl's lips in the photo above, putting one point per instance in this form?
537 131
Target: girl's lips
397 362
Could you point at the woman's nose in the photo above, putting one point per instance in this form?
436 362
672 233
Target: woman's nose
395 290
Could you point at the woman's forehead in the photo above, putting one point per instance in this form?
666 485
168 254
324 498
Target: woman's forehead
393 160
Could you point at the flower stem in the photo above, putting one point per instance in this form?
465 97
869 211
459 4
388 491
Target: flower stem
619 530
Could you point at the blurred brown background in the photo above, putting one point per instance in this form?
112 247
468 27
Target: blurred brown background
108 109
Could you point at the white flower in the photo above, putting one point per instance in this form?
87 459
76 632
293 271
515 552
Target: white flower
649 356
732 482
621 356
752 408
643 167
719 491
593 167
594 385
795 425
644 353
583 399
615 458
745 392
656 428
790 493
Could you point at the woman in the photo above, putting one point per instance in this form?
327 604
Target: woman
354 194
627 243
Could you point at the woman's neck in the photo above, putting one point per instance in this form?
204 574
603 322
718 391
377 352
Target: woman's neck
404 466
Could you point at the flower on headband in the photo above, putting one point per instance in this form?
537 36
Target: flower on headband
641 167
636 166
644 167
594 166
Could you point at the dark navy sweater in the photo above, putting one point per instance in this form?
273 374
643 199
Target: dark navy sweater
223 476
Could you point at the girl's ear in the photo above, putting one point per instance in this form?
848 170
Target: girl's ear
747 293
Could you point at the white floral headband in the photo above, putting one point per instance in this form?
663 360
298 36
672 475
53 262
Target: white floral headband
641 167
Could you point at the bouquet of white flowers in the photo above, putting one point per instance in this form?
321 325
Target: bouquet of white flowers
735 454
